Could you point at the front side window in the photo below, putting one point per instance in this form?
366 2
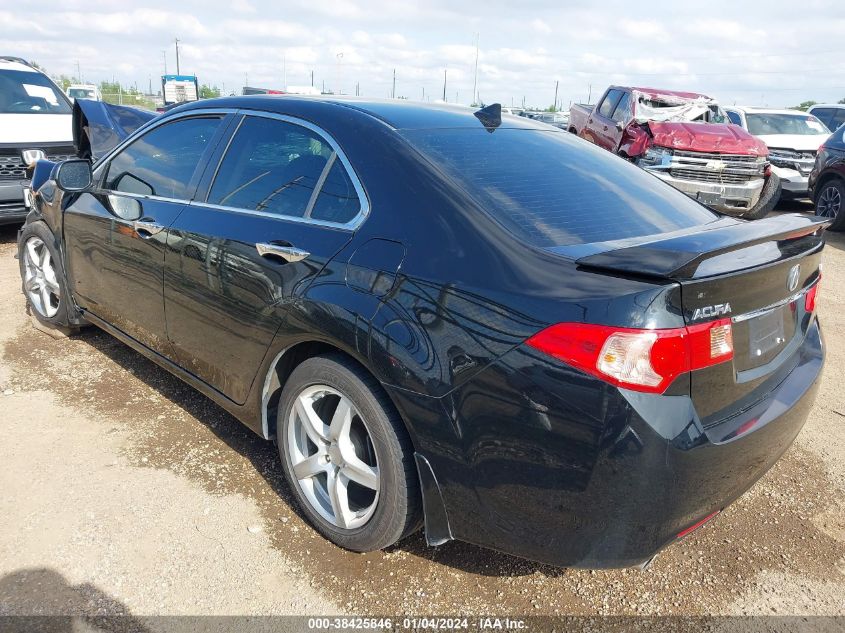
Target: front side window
276 166
734 117
622 111
162 162
25 92
609 102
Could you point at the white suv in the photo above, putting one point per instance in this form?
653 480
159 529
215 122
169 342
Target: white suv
34 114
793 137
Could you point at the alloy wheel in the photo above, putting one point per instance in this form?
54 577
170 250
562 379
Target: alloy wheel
40 281
332 457
829 202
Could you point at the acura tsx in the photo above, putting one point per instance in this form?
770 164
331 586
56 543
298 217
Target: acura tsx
463 320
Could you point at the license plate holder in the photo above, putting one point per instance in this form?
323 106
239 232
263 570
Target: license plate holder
766 333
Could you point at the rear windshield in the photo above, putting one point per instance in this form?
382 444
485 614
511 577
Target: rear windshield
550 188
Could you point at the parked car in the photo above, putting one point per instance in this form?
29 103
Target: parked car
482 324
792 137
84 91
683 139
558 119
827 180
34 119
831 114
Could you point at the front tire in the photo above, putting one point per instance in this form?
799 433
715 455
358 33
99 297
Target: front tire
346 455
43 277
829 201
769 198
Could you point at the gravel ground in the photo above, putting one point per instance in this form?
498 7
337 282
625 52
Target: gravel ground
124 491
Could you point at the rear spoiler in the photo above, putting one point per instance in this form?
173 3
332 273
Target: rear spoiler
728 246
99 126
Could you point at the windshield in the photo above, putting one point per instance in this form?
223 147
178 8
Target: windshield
23 92
552 189
804 124
81 93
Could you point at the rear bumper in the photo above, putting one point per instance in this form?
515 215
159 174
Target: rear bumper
561 468
735 199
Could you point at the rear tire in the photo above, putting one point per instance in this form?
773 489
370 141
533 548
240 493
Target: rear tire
43 278
769 198
352 468
829 200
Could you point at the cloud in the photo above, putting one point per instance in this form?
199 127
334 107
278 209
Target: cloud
541 27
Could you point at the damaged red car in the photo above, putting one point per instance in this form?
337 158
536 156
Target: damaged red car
685 139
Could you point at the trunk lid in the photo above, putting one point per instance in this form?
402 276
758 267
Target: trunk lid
755 273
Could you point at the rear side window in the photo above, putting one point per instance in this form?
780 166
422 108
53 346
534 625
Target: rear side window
276 167
825 114
162 161
551 189
837 119
734 118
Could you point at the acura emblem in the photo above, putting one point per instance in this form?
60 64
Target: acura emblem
792 280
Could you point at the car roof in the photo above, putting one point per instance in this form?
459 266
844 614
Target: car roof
762 110
11 63
396 113
838 106
655 93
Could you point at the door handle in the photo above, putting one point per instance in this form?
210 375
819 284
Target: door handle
605 128
147 228
287 253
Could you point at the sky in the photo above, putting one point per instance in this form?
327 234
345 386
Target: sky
775 53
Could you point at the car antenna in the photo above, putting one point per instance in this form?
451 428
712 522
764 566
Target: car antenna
490 116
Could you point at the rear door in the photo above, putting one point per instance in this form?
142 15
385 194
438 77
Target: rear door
282 201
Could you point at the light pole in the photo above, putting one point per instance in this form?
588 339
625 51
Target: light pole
475 77
339 57
444 85
177 55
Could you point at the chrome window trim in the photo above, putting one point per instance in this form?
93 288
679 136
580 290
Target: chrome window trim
363 199
141 196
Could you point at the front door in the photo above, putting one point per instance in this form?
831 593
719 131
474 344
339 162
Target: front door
281 204
116 235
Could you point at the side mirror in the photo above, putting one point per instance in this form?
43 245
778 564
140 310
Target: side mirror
74 175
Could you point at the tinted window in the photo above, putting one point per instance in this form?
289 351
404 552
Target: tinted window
338 200
608 103
271 166
838 118
621 113
825 114
162 161
551 189
24 92
734 117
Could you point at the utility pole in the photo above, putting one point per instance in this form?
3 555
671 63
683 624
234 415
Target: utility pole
423 93
312 78
151 85
475 78
590 92
78 73
177 55
164 55
444 84
358 89
393 90
556 84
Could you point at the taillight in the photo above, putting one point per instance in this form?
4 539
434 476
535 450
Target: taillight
642 360
810 297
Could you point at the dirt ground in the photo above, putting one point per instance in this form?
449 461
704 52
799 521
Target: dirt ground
126 492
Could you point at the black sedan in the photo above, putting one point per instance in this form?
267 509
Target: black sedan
444 317
827 180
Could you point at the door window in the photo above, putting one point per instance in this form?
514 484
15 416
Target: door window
162 162
621 112
276 167
734 117
609 102
837 119
826 115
